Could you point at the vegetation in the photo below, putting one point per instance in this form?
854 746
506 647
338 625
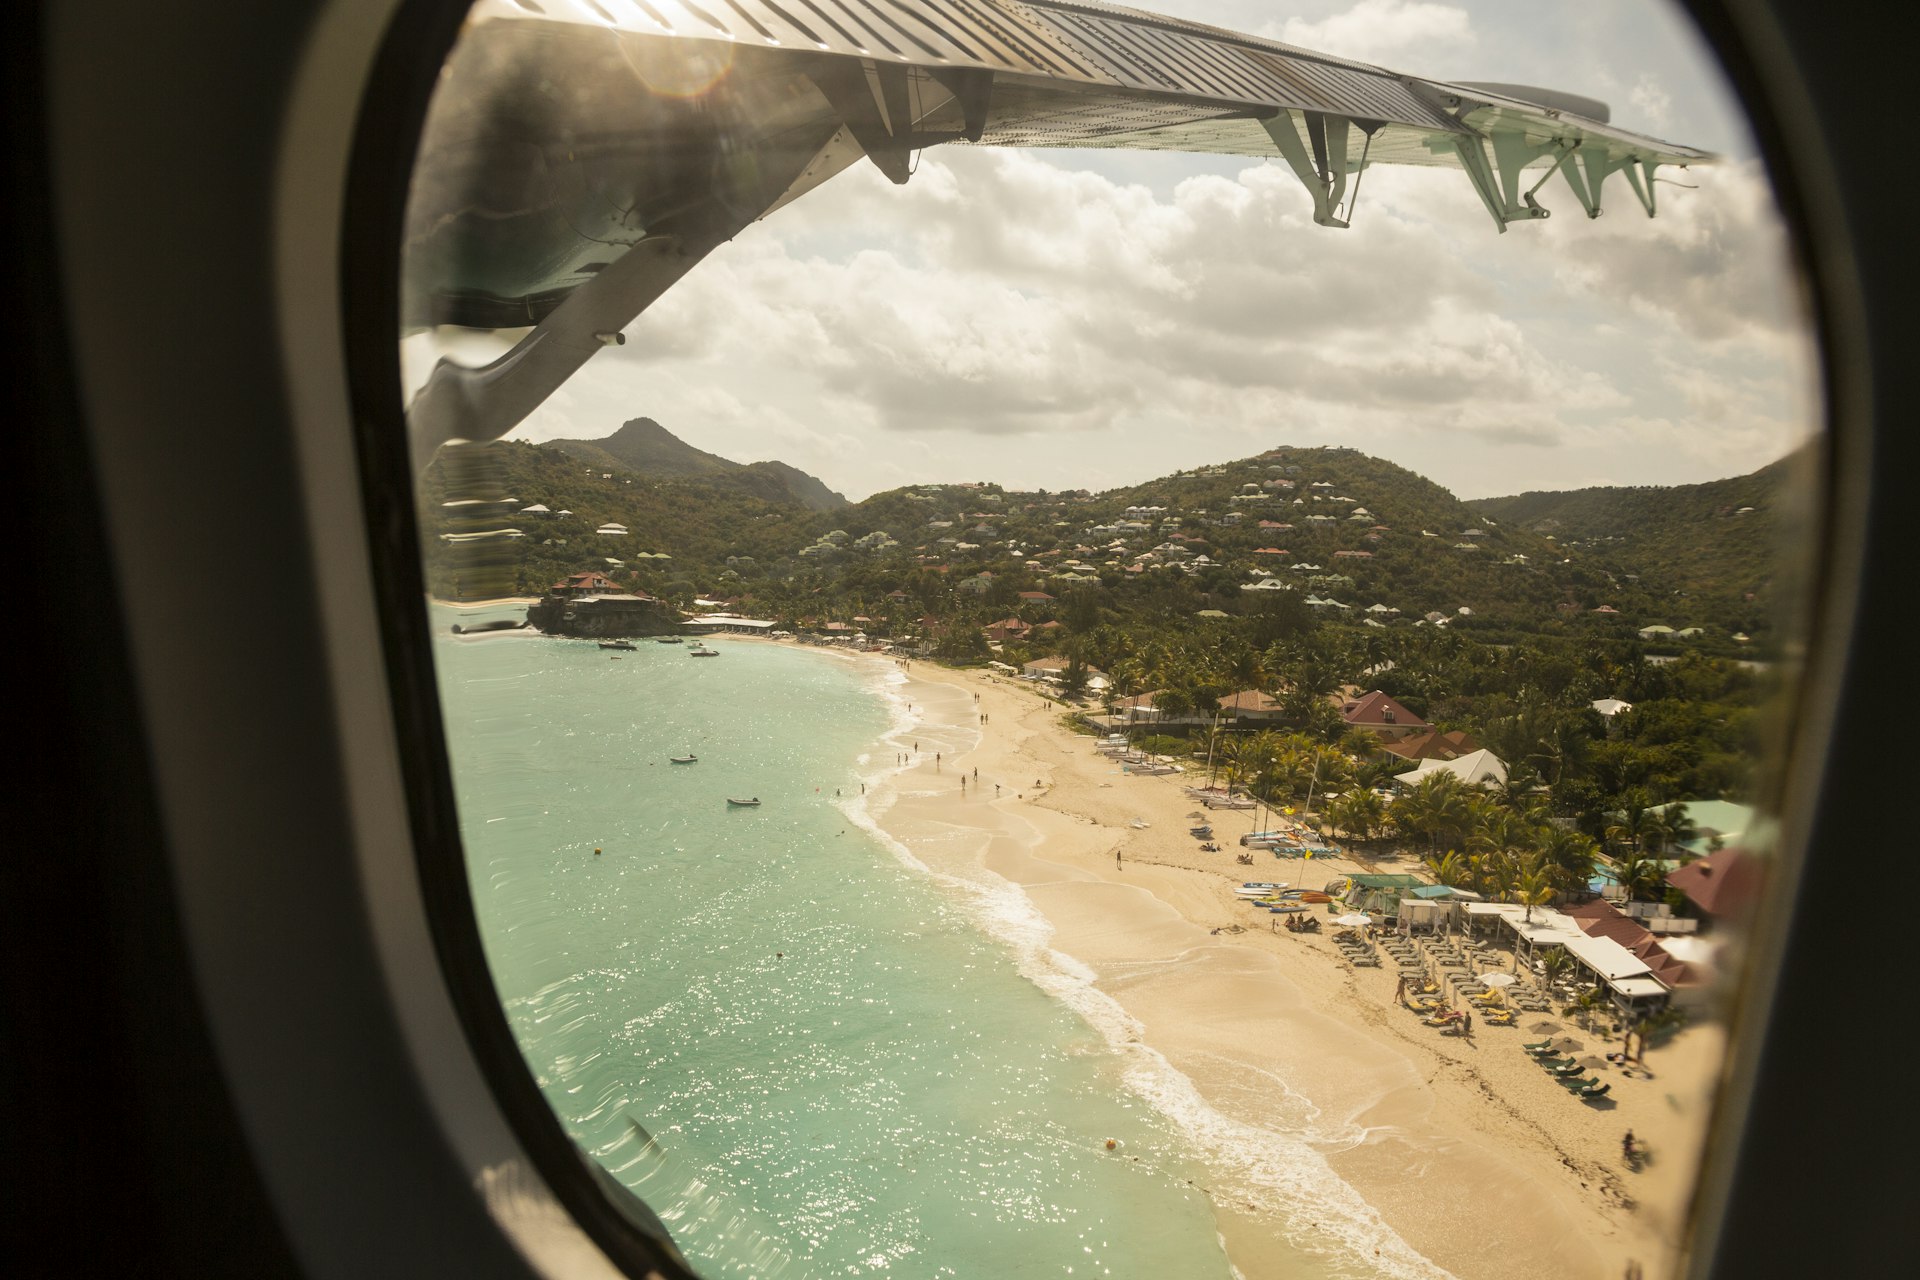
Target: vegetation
1480 623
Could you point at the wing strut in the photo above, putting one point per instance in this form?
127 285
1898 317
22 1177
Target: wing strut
1324 173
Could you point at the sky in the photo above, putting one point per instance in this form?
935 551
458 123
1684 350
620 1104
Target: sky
1086 319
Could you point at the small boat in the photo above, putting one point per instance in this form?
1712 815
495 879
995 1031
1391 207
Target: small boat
743 804
701 651
616 644
688 758
666 639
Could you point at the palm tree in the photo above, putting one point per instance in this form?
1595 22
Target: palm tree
1438 807
1536 886
1358 812
1569 855
1449 869
1640 874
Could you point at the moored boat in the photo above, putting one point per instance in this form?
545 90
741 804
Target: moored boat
666 639
701 651
688 758
616 644
743 804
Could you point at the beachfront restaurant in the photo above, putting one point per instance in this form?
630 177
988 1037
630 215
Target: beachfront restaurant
709 623
1627 978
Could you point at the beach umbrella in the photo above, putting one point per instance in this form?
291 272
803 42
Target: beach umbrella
1497 979
1354 918
1544 1027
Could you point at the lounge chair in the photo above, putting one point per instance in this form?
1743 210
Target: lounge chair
1540 1046
1575 1085
1596 1090
1573 1069
1555 1064
1499 1017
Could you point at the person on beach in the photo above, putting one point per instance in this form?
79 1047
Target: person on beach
1116 859
996 791
1466 1023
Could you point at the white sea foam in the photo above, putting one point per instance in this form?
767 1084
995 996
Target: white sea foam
1321 1213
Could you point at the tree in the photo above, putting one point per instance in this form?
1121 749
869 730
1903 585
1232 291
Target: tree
1358 812
1536 886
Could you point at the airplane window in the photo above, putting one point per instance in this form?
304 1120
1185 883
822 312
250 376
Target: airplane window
1076 641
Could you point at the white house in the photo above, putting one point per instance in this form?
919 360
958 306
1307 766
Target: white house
1478 769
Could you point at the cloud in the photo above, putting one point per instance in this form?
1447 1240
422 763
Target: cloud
1008 316
1653 103
1382 31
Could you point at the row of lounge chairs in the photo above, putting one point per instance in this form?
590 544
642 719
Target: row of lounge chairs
1567 1072
1359 952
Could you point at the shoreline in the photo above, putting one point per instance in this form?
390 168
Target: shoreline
1340 1132
1452 1155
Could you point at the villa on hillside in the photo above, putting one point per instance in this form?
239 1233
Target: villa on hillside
1007 629
585 584
1381 714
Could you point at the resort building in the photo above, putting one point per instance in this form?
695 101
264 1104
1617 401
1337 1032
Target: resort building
1381 714
1478 769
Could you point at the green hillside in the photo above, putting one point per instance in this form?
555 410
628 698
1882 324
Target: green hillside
644 447
1709 555
1329 534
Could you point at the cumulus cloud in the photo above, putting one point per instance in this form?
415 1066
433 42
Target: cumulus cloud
1014 316
1654 103
1387 32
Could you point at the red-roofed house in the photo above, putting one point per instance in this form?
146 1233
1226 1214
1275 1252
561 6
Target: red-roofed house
1721 885
1433 746
1599 918
1006 629
1381 714
585 584
1251 706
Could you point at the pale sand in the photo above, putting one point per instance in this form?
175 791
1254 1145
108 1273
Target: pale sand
1473 1158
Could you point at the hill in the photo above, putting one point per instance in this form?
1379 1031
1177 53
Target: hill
644 447
1327 534
1712 553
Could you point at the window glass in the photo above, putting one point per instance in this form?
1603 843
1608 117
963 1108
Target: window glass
1081 643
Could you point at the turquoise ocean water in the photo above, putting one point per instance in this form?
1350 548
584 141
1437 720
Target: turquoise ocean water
799 1048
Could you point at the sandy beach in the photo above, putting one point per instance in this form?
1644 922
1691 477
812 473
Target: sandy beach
1340 1126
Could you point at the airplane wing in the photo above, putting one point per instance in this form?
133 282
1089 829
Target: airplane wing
580 155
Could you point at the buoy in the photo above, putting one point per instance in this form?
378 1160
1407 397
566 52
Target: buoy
596 853
1111 1144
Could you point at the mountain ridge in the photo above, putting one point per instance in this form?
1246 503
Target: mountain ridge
643 446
